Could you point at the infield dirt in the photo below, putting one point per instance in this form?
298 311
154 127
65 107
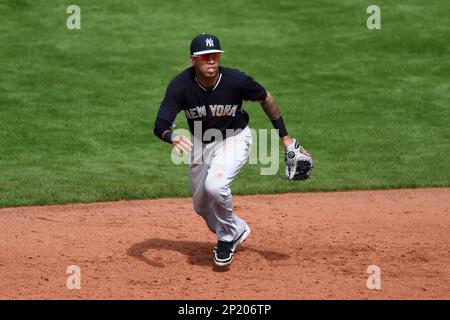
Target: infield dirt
302 246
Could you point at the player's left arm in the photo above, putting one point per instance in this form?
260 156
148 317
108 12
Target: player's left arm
273 112
298 161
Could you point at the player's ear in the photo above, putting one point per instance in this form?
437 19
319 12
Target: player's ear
192 60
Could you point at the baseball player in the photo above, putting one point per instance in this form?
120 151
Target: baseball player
211 97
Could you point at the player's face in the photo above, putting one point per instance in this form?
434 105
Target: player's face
207 64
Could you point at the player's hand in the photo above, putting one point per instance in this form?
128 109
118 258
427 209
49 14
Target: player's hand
287 141
182 144
298 161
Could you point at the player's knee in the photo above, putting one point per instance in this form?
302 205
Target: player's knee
217 189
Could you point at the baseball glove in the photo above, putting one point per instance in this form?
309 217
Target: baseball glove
298 161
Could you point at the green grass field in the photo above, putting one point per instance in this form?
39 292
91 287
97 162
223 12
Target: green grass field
77 106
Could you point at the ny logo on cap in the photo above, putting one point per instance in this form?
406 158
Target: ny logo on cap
209 42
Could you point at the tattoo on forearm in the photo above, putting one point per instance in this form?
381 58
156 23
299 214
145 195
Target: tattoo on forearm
270 107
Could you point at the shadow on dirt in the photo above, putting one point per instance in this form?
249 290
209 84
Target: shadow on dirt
198 253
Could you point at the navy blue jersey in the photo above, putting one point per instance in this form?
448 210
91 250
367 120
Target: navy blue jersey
219 107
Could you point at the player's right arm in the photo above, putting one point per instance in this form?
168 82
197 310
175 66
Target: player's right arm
167 113
163 131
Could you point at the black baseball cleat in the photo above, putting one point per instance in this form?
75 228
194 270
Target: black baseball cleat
224 252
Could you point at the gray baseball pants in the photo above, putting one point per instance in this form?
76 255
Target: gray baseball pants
212 170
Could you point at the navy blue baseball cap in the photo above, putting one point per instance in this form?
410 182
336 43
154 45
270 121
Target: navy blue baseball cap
205 43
